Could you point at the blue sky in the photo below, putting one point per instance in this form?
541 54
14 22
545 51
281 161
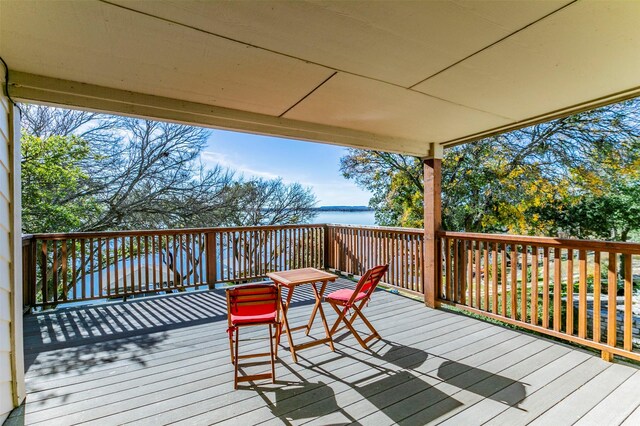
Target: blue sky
311 164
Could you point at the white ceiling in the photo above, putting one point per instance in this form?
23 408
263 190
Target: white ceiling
391 75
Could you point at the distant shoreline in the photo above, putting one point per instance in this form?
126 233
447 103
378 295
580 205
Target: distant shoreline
343 209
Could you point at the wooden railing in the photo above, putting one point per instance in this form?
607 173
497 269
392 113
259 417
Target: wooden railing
64 268
575 290
565 288
354 249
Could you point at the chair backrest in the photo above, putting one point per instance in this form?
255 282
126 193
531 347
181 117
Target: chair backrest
370 279
253 299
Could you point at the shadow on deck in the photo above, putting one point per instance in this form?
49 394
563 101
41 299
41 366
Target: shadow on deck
165 359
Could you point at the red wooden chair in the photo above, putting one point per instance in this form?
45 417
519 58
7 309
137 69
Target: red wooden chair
253 305
345 299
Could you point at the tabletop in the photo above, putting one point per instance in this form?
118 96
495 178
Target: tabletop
301 276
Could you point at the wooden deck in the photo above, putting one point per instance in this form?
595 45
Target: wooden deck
165 359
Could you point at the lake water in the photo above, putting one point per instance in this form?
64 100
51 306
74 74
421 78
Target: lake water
346 218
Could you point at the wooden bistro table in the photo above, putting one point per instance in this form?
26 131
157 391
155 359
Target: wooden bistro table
292 279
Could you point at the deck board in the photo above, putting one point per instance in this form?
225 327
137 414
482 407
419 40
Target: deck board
576 405
617 406
165 360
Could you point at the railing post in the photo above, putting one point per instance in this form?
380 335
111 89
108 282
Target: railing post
432 224
211 251
326 264
28 272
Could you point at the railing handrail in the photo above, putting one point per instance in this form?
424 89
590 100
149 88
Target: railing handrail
568 243
412 231
601 245
142 232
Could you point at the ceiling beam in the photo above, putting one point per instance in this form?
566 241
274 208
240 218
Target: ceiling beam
26 87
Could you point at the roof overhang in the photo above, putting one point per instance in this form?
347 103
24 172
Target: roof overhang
394 76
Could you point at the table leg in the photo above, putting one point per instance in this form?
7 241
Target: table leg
285 309
322 317
315 306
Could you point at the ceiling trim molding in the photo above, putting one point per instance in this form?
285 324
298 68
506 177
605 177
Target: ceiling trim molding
553 115
27 87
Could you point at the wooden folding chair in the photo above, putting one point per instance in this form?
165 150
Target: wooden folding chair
345 299
253 305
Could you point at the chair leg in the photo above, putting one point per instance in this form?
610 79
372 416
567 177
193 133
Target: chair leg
348 322
235 364
230 333
374 332
353 317
277 338
341 316
355 333
273 365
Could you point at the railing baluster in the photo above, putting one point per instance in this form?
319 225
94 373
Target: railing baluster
132 263
628 293
181 259
582 294
611 302
108 264
534 285
54 270
569 304
167 264
147 275
231 270
503 279
91 268
470 272
160 282
188 264
597 284
485 248
456 265
447 255
477 273
115 264
138 251
83 273
124 266
545 286
524 284
64 271
100 269
514 281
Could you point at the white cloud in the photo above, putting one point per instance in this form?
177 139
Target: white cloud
339 194
212 158
329 193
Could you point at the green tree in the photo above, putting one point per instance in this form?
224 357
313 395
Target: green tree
271 202
521 182
52 177
91 172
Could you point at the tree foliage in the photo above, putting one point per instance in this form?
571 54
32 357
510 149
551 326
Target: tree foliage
90 172
270 202
52 179
575 176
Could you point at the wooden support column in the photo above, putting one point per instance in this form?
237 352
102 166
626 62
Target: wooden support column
326 263
211 256
432 224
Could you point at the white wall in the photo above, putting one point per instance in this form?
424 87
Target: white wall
11 347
